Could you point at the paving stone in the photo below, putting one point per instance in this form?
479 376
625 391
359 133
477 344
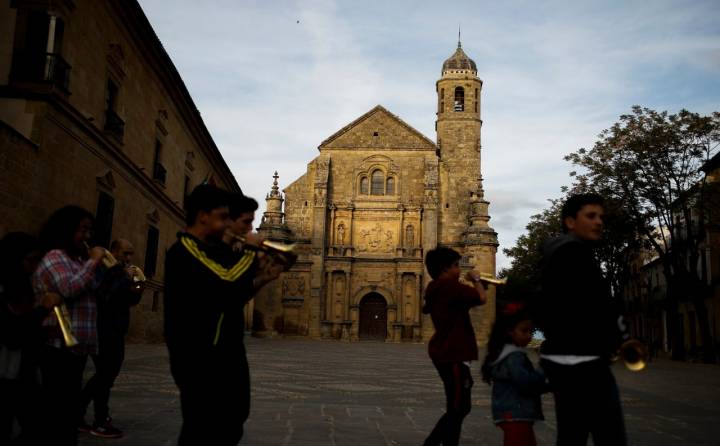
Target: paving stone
345 394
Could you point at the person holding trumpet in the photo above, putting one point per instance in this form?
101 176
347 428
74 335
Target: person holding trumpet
69 270
207 284
453 345
121 288
582 327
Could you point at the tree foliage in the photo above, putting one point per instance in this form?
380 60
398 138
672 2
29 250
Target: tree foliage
648 166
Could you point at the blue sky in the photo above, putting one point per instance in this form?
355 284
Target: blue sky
555 74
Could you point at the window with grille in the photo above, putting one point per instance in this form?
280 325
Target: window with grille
377 186
364 183
390 189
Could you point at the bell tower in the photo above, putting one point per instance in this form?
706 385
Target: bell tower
463 209
458 138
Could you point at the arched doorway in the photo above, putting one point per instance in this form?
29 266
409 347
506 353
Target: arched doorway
373 317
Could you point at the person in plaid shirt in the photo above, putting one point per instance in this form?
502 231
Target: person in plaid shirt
68 269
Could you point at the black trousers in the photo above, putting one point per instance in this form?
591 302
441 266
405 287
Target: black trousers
215 402
587 402
108 362
458 382
20 400
62 373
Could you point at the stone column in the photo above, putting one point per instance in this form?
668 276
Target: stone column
351 241
329 285
417 332
400 296
346 307
319 237
333 242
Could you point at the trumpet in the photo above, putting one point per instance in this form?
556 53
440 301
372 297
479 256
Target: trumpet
63 316
108 259
135 273
281 252
137 276
490 279
634 355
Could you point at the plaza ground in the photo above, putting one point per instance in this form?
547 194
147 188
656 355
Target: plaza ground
365 393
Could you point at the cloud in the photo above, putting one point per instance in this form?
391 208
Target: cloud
555 74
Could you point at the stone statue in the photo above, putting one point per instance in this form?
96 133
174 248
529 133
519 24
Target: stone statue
341 234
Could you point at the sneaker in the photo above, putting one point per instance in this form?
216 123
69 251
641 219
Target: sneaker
106 430
83 427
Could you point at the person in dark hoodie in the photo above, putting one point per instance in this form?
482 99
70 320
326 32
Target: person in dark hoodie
453 344
206 287
582 328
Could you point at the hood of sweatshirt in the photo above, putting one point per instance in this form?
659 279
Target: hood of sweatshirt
506 351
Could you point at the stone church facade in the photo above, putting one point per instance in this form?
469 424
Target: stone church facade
377 197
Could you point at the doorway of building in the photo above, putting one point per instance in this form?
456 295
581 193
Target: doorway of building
373 318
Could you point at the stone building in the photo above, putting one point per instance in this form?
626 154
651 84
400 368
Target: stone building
376 198
93 112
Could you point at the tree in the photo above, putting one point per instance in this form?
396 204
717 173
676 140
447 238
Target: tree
650 163
523 275
619 242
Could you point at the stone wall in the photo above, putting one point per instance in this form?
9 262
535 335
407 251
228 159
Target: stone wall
56 148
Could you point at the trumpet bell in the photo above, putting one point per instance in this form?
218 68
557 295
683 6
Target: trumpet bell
63 316
137 274
634 355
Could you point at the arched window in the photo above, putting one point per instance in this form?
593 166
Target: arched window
441 105
477 100
364 185
390 186
459 99
377 183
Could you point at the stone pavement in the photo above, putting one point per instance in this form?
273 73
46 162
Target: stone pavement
335 393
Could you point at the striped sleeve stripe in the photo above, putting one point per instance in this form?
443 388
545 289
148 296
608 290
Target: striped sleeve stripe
228 274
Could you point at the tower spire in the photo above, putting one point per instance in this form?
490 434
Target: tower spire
459 44
273 220
275 192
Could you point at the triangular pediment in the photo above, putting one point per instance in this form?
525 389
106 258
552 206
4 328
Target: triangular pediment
381 130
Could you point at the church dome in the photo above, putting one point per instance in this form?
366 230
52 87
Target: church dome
459 61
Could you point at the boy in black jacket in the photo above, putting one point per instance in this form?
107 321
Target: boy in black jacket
206 288
581 324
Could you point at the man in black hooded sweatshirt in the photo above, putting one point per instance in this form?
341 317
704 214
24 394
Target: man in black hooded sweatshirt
206 287
581 323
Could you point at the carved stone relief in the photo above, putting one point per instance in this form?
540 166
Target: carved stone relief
338 296
322 170
293 285
375 239
409 235
320 196
304 228
431 174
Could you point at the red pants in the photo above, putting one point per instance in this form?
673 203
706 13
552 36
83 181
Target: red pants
518 433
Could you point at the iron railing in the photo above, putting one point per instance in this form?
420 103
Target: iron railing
41 68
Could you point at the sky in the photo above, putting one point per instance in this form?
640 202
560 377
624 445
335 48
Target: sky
273 79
